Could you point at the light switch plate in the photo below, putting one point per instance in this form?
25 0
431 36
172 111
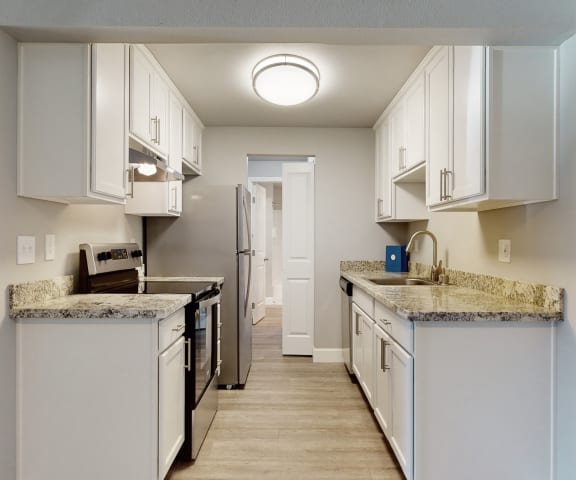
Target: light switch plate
49 247
504 251
26 249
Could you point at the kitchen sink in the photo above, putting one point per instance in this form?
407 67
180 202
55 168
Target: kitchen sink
400 281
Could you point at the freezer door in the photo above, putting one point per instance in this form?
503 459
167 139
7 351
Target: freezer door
244 235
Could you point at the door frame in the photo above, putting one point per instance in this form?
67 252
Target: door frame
312 158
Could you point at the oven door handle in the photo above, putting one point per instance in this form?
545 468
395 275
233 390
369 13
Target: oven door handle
188 347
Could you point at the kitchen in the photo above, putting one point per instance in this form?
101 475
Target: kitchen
542 234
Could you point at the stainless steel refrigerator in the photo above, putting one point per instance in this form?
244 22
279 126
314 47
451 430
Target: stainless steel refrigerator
211 238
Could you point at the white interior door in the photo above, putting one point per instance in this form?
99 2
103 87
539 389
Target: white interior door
259 252
298 258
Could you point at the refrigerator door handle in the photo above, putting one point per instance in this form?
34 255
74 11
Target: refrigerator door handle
247 219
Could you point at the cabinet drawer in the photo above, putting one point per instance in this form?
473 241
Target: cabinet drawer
170 329
398 328
364 300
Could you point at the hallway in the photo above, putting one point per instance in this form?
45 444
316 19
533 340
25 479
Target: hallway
295 420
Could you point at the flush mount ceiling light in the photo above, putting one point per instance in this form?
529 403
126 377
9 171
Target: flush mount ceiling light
285 79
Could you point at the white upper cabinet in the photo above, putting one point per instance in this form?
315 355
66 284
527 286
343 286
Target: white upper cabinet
414 117
407 121
192 143
438 120
502 117
397 143
72 143
175 155
401 154
383 190
149 102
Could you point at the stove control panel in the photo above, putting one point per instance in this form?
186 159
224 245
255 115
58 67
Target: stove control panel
111 257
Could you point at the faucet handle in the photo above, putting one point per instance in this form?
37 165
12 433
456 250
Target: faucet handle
437 270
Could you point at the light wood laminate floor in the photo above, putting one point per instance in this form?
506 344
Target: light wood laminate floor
294 420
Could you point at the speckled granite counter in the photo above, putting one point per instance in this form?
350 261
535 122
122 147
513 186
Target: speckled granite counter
456 303
53 299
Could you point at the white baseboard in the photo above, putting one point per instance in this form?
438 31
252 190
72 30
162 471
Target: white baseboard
328 355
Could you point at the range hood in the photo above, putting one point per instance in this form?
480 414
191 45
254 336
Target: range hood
141 158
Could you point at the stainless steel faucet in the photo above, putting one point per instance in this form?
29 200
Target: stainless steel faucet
436 267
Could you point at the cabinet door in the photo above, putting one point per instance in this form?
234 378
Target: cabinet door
402 396
175 151
198 145
170 405
414 107
175 197
438 124
468 175
108 162
367 335
159 101
383 186
140 95
397 153
192 135
382 384
357 345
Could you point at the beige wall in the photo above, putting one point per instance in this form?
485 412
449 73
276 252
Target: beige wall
344 176
543 250
71 224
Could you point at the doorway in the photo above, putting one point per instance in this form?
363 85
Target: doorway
275 290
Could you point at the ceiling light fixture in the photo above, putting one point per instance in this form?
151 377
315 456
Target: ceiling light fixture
285 79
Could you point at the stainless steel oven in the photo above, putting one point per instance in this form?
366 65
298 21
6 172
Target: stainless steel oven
112 268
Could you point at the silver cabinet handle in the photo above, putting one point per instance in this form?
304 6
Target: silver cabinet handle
174 198
155 122
383 345
178 327
195 155
158 131
188 345
442 185
385 322
130 172
447 196
379 208
357 327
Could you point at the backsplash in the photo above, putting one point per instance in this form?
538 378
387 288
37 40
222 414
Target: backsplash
39 291
548 296
361 265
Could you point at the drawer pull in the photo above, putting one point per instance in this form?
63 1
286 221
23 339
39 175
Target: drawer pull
178 327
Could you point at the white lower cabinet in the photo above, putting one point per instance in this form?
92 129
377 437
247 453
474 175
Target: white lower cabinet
170 405
471 400
362 356
393 398
99 398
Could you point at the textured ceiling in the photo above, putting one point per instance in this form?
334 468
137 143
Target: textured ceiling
357 82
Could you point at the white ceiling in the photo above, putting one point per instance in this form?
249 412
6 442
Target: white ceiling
357 82
358 44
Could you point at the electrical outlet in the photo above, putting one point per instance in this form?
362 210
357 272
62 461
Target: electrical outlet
49 247
504 251
26 249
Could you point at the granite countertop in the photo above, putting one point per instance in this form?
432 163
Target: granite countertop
95 305
456 303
